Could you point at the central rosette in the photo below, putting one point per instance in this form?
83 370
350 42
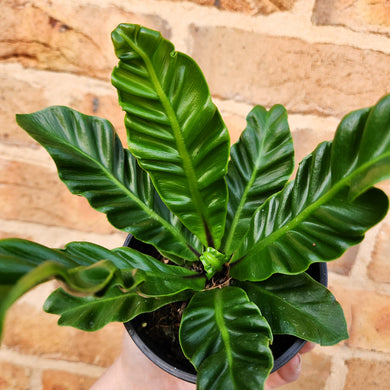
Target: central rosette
212 261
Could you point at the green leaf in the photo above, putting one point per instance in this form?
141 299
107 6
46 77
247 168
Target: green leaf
212 261
324 210
25 264
120 275
311 220
261 163
18 257
83 279
92 162
298 305
155 278
226 338
152 276
362 142
174 129
115 305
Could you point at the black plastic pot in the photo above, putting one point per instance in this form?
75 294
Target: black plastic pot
284 347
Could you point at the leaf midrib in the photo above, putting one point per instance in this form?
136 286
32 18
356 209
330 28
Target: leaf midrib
310 209
218 306
111 178
288 303
101 301
175 126
243 199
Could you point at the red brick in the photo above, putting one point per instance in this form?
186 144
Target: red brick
248 6
17 96
368 316
370 375
344 264
14 377
62 380
62 38
26 96
305 77
105 106
34 332
379 267
34 193
361 15
306 140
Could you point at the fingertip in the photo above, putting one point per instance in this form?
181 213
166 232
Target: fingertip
309 346
286 374
291 371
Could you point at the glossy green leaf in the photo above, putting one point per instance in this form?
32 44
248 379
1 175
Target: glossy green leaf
92 162
18 257
311 220
87 280
151 276
212 261
154 278
115 305
298 305
261 163
226 338
362 143
25 264
120 275
174 129
323 211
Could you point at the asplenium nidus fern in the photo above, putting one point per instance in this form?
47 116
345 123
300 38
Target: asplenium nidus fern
237 236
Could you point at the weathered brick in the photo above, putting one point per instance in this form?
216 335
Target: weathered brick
361 15
4 235
248 6
31 331
306 140
17 96
379 267
26 93
370 375
343 265
235 124
56 36
62 380
105 106
305 77
14 377
368 316
34 193
316 368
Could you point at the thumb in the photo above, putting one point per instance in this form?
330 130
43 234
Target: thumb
288 373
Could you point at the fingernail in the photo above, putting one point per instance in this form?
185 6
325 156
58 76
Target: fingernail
299 362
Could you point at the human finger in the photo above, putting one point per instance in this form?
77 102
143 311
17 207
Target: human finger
286 374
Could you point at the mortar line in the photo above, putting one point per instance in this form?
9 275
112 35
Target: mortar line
358 284
295 23
37 362
359 269
346 353
338 372
55 235
36 379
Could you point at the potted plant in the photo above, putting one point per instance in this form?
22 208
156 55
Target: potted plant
233 237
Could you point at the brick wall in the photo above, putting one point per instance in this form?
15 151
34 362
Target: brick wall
320 58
